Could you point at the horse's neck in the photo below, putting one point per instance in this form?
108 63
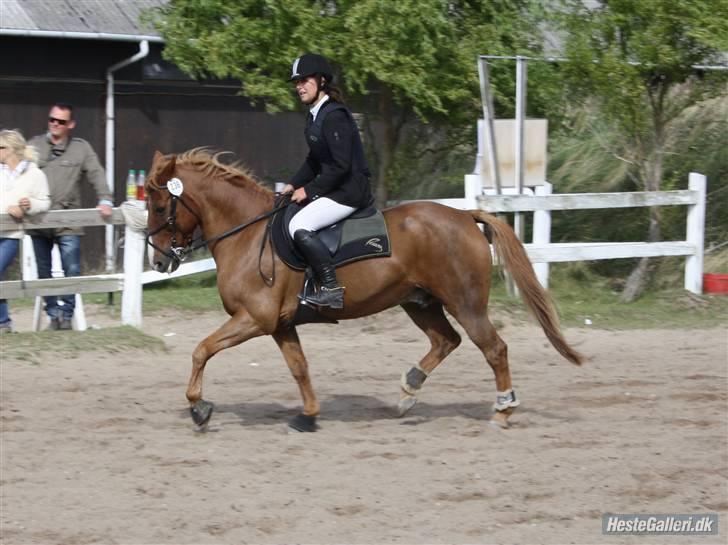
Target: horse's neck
225 206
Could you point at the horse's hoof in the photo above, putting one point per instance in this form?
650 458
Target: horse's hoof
302 422
201 412
500 420
406 402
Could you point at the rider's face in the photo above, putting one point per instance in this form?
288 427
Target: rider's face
307 89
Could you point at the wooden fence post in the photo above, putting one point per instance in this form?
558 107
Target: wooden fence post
542 234
695 235
131 298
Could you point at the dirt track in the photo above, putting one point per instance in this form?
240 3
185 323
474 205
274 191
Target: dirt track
100 449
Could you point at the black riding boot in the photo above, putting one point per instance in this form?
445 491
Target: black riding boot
330 293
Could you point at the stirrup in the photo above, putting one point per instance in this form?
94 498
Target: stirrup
328 297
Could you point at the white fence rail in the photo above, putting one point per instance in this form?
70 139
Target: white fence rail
129 282
541 251
60 286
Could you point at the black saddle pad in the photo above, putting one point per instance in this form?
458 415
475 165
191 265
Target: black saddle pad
360 236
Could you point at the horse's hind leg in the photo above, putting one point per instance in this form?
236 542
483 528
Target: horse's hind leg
443 338
290 346
482 332
237 329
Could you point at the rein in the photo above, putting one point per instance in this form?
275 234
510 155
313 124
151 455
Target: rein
179 253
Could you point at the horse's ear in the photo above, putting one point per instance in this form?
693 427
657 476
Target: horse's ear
165 164
169 167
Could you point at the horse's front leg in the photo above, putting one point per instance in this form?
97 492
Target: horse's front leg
237 329
290 346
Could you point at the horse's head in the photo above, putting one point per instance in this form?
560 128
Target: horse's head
171 220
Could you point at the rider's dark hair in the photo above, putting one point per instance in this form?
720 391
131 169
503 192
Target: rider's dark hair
331 90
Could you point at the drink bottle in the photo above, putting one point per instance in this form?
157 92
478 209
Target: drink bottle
131 185
141 177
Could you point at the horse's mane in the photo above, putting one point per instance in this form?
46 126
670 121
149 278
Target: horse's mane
207 161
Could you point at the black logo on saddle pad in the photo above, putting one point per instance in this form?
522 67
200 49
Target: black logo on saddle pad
360 236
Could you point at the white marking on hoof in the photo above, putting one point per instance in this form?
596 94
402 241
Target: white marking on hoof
406 402
499 421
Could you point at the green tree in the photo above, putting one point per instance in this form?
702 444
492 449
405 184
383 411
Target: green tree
403 61
637 62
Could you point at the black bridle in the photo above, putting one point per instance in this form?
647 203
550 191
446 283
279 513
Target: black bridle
178 253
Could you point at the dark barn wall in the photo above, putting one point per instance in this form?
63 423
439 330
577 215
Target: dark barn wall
164 112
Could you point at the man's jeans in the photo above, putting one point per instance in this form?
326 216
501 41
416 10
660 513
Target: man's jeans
8 251
70 248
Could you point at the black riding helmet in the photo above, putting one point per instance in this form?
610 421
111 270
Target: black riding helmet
310 64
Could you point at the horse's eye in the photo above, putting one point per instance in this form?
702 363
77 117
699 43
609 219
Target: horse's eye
159 209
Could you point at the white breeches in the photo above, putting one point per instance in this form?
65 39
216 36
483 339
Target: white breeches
319 214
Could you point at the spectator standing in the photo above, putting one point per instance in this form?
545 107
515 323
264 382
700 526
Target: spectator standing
23 192
66 161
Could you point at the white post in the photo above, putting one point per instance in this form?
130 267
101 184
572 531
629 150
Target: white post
486 98
131 298
542 234
30 272
521 79
696 235
473 189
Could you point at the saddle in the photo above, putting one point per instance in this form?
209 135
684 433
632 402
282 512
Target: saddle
362 235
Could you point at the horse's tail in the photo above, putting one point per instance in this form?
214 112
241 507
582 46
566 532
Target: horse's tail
513 255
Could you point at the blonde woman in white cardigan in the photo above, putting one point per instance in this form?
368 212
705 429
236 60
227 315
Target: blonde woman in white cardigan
23 191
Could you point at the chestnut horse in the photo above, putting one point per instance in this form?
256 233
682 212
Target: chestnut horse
440 260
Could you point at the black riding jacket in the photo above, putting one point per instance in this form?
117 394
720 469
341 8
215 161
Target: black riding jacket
335 166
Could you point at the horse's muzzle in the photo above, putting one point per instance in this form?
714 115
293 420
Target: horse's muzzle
162 263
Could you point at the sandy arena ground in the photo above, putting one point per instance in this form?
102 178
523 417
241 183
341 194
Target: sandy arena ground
100 448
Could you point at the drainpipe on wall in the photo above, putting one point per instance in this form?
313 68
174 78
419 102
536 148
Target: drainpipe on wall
110 143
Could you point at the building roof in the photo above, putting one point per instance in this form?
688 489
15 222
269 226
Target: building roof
101 19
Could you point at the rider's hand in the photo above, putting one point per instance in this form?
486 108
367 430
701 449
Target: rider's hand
24 203
299 195
287 189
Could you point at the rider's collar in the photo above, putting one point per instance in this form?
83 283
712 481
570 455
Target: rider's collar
316 107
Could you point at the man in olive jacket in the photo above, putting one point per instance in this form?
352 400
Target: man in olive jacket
66 161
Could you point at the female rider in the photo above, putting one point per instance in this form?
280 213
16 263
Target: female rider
334 179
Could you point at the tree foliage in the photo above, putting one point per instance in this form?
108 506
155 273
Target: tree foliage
638 59
400 62
638 63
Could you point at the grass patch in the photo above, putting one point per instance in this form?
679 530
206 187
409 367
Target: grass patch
581 296
196 293
29 347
